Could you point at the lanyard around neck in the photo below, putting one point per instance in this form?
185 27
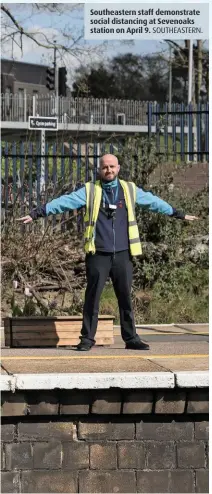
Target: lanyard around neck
106 199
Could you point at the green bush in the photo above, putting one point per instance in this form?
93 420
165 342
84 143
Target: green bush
170 282
174 282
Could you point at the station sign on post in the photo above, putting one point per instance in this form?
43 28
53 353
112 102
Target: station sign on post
43 123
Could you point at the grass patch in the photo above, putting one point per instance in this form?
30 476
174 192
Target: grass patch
109 303
184 308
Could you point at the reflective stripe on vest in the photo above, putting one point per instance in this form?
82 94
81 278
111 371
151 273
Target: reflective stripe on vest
129 189
93 201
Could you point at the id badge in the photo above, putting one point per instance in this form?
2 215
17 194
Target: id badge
112 206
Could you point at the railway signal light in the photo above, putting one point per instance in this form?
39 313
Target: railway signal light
62 81
50 79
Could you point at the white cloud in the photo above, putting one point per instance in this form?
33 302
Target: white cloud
21 48
27 50
33 53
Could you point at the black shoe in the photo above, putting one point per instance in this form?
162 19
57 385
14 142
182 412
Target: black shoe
137 345
84 347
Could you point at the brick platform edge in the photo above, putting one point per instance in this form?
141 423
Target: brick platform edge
120 439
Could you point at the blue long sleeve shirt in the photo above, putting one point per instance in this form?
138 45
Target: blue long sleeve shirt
77 199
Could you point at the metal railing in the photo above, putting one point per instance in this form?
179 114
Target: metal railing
80 110
67 165
74 110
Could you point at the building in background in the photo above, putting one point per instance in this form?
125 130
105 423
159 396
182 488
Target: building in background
20 77
20 81
23 80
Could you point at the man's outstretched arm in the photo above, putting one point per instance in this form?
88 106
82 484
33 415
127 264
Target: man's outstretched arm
149 201
64 203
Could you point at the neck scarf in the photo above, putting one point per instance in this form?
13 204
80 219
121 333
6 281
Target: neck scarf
109 185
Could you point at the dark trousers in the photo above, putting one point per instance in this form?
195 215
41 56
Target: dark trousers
99 267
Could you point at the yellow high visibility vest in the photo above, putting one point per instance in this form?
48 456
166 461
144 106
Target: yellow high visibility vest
93 201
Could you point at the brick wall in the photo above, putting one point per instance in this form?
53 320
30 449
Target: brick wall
105 441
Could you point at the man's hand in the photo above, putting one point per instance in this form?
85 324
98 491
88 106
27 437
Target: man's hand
25 219
190 218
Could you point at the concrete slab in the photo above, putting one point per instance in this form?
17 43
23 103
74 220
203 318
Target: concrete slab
183 364
175 337
164 348
154 328
177 348
162 356
193 327
7 383
138 380
194 379
82 364
156 347
121 380
114 366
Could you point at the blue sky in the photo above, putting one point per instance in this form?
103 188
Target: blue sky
78 22
72 22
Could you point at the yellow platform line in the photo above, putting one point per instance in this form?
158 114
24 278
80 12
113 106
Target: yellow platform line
69 357
163 333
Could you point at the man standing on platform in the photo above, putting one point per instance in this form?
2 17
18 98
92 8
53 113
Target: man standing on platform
111 240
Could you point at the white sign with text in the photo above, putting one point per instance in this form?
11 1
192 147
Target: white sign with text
146 21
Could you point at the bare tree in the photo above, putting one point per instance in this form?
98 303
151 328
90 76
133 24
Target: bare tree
200 65
17 19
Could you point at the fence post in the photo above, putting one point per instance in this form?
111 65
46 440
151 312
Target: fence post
166 130
86 162
207 130
78 183
190 134
194 130
42 172
105 111
182 132
98 155
111 148
199 133
94 161
149 119
43 148
35 107
30 164
14 173
38 166
21 183
62 165
54 176
157 128
25 105
6 177
79 158
173 124
70 164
